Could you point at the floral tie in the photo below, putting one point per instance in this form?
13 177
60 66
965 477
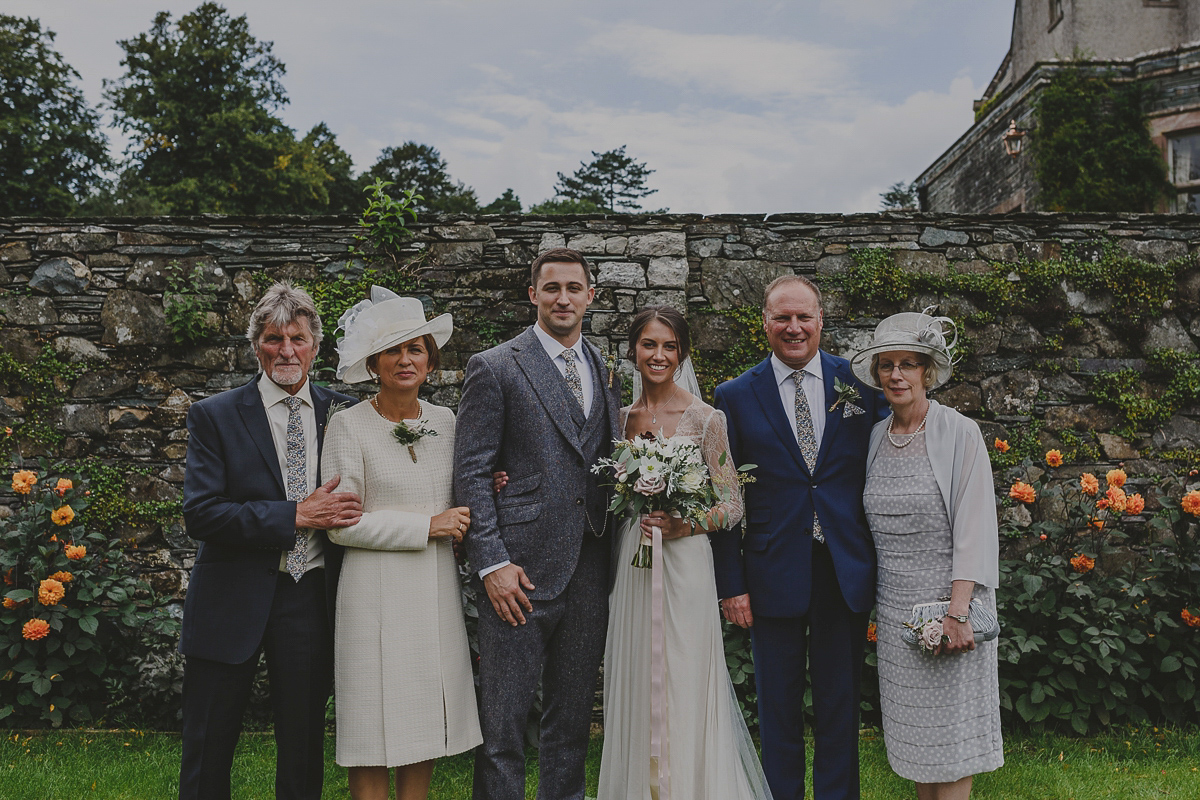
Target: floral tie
297 484
806 437
573 381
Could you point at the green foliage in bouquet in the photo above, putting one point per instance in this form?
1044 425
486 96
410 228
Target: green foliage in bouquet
73 613
1093 601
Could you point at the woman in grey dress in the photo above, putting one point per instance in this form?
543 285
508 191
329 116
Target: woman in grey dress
930 503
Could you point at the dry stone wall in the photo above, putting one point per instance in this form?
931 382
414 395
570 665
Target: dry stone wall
93 291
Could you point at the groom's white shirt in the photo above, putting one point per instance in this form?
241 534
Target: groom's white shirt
554 349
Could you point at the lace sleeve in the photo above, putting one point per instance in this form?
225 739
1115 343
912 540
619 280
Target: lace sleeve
714 443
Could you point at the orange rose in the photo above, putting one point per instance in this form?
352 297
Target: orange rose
1135 504
63 516
9 604
8 431
63 577
1116 499
1088 483
1096 522
1116 477
1082 563
8 577
75 551
1001 446
50 592
1043 537
1190 619
1022 492
1102 503
35 629
1191 503
23 481
872 636
62 486
1053 458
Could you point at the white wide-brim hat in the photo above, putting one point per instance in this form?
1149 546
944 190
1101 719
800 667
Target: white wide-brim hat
383 321
916 333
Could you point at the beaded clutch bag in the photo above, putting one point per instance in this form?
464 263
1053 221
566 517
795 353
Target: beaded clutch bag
983 621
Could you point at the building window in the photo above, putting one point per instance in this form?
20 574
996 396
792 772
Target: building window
1056 13
1183 156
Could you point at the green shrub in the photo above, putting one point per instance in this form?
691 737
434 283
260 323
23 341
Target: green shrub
188 309
384 222
73 613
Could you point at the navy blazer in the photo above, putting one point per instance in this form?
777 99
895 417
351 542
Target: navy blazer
773 561
235 504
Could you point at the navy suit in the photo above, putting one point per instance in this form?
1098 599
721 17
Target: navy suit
239 603
800 589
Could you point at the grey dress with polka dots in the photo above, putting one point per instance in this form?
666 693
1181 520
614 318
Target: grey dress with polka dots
941 714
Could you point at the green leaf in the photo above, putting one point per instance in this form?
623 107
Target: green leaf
1169 664
88 625
1069 636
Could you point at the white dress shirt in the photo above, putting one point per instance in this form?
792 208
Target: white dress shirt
273 396
555 348
814 389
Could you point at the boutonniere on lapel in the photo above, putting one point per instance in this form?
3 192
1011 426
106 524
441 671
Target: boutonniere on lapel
408 433
610 364
846 392
335 407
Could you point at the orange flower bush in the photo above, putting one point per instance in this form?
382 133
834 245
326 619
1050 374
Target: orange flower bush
872 631
63 576
1116 498
23 481
63 516
1054 458
1135 504
1081 563
1088 484
50 592
1191 503
1001 446
62 486
1116 477
35 629
1190 619
1022 493
75 551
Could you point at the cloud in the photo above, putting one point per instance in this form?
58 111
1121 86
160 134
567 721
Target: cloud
733 64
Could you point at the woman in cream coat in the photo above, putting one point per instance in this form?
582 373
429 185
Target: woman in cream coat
402 672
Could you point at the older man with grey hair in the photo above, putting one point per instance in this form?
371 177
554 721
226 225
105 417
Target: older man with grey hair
265 575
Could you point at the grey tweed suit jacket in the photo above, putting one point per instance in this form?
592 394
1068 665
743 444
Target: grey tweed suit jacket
517 415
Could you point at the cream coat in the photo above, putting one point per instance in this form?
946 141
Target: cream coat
402 671
963 472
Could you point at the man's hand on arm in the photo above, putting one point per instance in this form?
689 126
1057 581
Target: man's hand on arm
737 610
325 509
504 587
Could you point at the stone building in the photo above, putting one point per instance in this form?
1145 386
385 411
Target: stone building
1155 43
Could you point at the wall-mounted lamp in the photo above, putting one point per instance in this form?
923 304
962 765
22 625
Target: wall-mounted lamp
1013 139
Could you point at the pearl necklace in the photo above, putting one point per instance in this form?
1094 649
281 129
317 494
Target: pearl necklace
375 403
906 438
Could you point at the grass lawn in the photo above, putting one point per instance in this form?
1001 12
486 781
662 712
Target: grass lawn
140 766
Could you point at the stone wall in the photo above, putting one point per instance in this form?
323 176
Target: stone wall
93 291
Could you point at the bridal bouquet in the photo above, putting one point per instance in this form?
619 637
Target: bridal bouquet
660 474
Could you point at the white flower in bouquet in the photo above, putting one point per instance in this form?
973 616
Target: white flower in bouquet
692 481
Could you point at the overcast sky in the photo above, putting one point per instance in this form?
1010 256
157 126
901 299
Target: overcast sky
740 106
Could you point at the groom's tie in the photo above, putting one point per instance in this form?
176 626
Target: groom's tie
297 484
574 383
806 437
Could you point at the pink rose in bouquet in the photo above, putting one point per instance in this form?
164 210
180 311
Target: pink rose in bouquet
650 484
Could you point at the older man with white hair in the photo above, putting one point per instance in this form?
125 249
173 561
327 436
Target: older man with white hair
265 575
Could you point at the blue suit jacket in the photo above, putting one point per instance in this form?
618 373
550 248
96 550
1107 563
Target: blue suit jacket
772 562
235 504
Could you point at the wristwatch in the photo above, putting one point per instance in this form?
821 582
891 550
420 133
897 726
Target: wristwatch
959 618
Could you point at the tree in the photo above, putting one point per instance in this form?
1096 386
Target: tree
900 196
613 181
344 193
557 206
421 168
52 152
197 100
507 203
1092 146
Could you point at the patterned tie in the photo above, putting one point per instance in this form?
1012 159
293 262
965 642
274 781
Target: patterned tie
573 381
806 437
297 484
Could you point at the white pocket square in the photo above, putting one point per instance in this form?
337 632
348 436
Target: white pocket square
850 410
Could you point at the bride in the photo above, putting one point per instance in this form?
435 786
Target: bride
706 752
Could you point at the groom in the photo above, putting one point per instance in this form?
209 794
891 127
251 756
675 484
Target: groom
803 576
540 408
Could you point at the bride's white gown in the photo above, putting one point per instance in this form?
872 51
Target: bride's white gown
708 749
